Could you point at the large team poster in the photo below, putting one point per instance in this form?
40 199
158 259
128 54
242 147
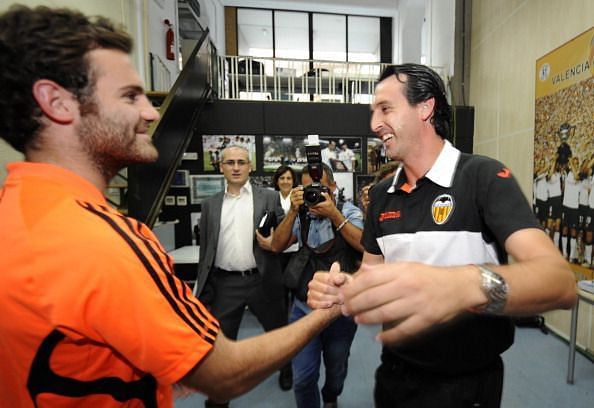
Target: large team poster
564 149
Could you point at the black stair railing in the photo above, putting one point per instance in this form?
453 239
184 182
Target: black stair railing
148 183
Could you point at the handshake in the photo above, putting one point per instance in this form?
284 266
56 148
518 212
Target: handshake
406 297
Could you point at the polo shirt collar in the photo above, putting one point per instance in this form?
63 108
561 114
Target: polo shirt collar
442 171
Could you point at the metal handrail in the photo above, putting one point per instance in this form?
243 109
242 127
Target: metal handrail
299 80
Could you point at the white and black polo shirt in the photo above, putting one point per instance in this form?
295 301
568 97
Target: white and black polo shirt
460 213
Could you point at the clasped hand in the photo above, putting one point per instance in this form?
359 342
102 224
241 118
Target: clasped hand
409 297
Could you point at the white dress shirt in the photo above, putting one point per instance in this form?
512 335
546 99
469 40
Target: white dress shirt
235 250
286 204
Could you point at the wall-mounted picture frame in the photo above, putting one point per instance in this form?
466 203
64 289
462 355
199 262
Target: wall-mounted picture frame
376 154
169 200
283 150
203 186
262 181
344 187
213 146
342 154
181 179
190 156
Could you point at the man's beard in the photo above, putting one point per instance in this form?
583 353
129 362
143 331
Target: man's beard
111 143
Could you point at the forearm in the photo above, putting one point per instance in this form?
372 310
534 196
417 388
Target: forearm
538 285
350 232
234 368
352 235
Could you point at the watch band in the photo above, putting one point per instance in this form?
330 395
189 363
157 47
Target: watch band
495 288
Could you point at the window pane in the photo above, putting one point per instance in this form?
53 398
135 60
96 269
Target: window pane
291 35
329 37
254 32
364 39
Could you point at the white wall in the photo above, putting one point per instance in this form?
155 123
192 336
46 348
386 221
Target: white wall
158 11
212 16
412 13
440 18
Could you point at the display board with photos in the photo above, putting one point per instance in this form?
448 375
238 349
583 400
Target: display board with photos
352 159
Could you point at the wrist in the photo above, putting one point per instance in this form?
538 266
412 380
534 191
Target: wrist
494 289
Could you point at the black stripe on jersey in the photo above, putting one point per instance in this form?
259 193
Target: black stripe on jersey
189 304
153 274
42 380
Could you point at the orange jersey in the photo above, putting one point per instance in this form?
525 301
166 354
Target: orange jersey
92 314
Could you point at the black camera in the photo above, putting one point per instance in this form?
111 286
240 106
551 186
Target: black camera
312 194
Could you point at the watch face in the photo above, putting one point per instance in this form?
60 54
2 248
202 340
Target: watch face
495 288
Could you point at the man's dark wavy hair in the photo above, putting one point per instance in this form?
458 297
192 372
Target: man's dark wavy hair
46 43
422 83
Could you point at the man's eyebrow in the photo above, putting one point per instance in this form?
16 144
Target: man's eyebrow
132 88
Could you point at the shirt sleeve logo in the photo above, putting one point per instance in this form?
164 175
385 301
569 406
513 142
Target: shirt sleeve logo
442 208
504 173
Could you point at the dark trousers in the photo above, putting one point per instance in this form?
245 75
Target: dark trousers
233 292
402 385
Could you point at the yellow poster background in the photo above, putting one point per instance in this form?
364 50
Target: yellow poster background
564 149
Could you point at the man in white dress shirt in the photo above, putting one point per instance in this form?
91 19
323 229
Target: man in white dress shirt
234 271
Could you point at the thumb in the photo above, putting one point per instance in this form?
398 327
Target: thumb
337 277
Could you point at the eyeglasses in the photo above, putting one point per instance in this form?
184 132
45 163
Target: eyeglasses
232 163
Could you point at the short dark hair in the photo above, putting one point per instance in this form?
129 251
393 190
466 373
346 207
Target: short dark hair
423 83
279 172
325 169
47 43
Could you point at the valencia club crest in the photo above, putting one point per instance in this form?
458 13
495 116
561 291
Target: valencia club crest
442 208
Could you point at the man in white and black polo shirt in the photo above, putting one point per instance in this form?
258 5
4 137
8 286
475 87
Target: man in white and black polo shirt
435 271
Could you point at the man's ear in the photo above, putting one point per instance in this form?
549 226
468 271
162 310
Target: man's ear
426 109
58 104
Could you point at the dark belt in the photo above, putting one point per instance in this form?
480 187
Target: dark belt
245 273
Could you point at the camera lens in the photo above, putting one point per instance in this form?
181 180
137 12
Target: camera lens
311 197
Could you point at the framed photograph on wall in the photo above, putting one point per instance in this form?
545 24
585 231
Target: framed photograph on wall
213 145
376 154
262 181
283 150
203 186
181 178
344 186
342 154
169 200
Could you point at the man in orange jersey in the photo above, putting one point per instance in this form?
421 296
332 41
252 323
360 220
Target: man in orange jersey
92 314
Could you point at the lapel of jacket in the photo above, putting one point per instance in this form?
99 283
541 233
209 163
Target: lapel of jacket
258 198
217 208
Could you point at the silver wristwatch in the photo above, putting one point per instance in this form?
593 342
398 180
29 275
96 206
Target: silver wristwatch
495 288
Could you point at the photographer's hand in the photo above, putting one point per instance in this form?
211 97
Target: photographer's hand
296 198
327 209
